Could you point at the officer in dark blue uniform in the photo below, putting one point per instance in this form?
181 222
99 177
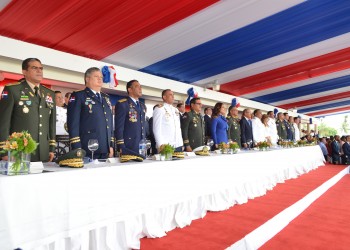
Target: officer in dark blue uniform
130 119
89 116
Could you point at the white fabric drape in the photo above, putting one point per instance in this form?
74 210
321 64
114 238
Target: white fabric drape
113 207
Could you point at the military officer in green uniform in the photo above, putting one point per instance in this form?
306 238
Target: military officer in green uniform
281 127
234 128
193 127
28 105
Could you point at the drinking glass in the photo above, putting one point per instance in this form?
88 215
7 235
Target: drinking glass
148 146
210 143
93 146
249 143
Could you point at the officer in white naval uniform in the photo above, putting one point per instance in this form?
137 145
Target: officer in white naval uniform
166 123
61 120
272 128
62 138
258 127
61 114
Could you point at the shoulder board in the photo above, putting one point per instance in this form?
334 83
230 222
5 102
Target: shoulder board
46 87
13 84
76 91
122 100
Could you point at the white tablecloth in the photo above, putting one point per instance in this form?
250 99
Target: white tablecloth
113 207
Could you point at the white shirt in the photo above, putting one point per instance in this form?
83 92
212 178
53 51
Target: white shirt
166 126
258 130
297 132
272 131
61 119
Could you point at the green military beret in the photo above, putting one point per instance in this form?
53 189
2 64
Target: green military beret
73 159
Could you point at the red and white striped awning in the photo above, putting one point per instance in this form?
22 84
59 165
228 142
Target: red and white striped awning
291 54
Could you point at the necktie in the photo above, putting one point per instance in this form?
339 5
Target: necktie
36 91
98 96
138 104
250 122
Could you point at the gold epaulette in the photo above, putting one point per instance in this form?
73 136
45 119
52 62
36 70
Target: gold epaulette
112 139
123 100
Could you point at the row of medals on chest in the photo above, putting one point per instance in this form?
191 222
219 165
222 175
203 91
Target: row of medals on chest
25 102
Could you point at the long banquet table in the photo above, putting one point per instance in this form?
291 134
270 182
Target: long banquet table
112 206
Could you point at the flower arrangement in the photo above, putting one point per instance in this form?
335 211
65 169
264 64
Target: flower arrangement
263 145
166 149
233 145
18 144
301 143
223 145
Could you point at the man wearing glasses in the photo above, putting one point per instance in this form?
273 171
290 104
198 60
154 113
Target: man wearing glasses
28 105
193 126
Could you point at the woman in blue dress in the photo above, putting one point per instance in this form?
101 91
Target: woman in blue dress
219 124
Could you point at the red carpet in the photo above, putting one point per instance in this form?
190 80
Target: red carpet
218 230
323 225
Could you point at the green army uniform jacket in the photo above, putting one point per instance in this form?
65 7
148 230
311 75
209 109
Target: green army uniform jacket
193 129
234 129
281 130
21 110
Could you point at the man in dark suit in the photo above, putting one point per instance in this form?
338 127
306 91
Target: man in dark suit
30 106
336 150
130 119
246 129
151 134
89 116
346 150
181 108
207 120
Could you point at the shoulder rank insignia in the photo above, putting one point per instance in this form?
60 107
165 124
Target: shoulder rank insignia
13 84
46 87
122 100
